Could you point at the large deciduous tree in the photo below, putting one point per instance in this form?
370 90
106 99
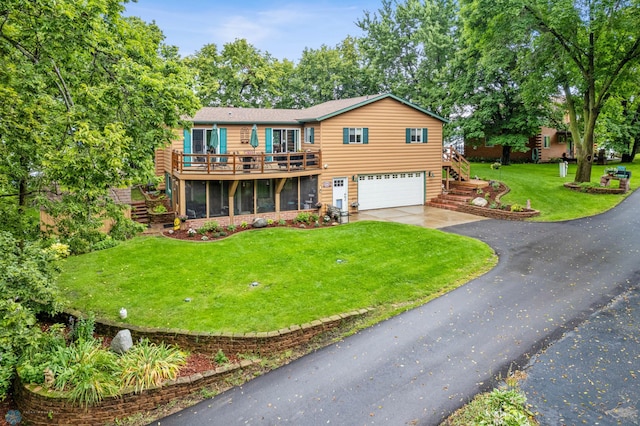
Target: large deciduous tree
408 47
87 95
589 45
240 75
497 101
328 73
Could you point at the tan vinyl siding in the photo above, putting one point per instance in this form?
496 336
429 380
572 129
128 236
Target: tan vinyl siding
386 150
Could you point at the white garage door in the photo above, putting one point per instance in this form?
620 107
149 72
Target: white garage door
385 190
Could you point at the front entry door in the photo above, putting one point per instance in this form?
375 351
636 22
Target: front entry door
340 193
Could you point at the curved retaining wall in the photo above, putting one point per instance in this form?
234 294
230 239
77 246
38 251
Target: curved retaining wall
39 407
262 343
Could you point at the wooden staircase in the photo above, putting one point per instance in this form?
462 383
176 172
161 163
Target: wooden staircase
455 166
139 212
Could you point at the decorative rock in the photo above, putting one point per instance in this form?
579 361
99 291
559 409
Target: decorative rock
187 299
123 313
480 202
255 284
122 342
259 222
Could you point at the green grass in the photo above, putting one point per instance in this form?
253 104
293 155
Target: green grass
543 186
303 275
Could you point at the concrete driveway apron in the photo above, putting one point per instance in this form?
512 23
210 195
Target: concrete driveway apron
420 366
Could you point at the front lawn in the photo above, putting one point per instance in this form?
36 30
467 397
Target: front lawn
543 186
271 278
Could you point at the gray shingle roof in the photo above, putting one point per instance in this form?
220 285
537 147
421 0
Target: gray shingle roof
229 115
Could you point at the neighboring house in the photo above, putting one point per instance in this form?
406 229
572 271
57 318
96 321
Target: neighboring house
547 146
361 153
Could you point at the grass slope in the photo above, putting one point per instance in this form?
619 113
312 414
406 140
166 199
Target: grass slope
303 275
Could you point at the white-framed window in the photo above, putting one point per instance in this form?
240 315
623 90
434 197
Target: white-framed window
309 134
416 135
355 135
546 141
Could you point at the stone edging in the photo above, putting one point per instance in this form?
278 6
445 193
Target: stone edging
593 189
498 213
40 409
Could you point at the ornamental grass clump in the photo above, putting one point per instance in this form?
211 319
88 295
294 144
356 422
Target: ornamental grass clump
147 365
86 372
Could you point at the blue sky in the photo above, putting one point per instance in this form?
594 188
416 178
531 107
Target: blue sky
282 28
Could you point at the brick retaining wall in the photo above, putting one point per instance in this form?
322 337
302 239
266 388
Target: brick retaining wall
262 343
38 408
497 213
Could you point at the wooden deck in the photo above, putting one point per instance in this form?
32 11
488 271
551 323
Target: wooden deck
248 162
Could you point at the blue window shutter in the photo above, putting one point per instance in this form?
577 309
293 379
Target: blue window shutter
186 147
365 135
345 135
268 142
223 140
223 143
407 135
425 135
312 132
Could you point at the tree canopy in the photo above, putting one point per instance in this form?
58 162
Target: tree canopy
87 95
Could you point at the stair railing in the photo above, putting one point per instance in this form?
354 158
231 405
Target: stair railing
459 164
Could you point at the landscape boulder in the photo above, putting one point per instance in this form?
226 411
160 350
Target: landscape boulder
122 342
479 202
259 222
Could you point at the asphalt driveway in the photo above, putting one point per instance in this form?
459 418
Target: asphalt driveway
420 366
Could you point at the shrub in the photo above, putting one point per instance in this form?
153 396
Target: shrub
231 228
209 226
86 371
59 250
8 361
83 328
124 228
244 224
270 222
305 217
282 222
160 208
108 242
516 207
147 365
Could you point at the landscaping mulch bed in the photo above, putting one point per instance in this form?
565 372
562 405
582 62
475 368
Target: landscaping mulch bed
183 233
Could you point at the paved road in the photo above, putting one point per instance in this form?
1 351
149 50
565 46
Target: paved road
418 367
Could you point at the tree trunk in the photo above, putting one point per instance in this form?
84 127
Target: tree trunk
506 155
629 157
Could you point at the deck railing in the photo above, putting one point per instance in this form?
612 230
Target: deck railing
247 162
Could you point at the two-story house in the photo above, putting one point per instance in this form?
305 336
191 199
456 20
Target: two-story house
362 153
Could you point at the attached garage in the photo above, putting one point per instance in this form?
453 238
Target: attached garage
384 190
